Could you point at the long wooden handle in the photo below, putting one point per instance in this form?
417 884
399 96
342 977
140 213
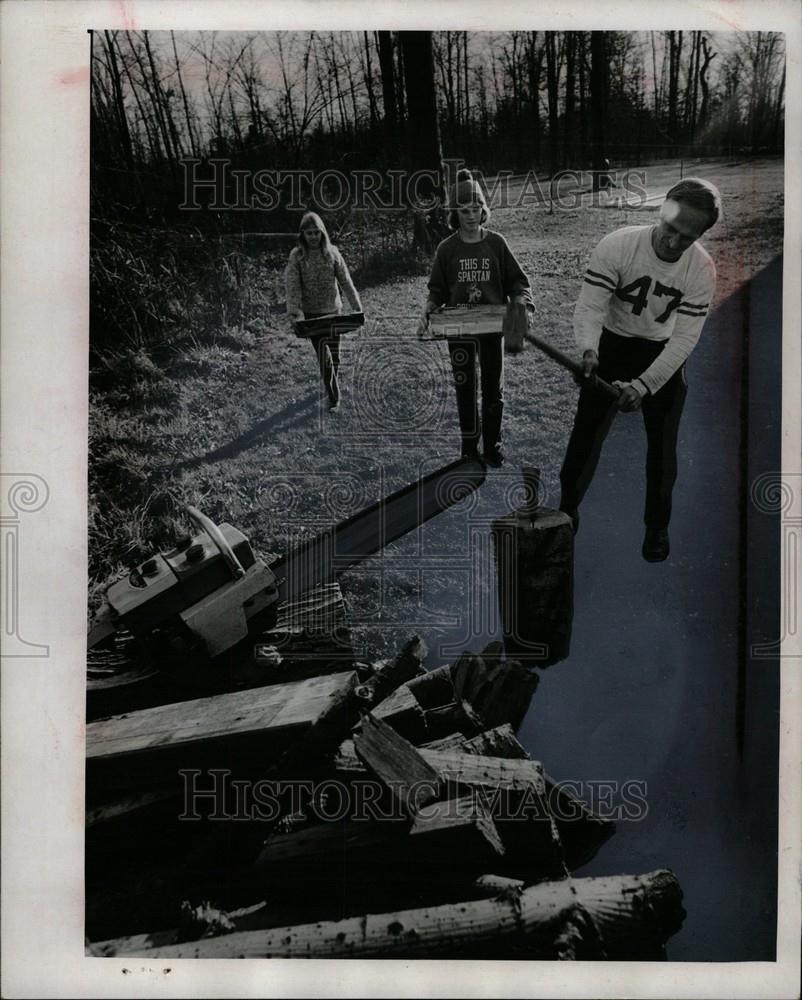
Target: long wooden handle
573 366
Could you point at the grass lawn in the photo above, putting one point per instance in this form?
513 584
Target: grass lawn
233 422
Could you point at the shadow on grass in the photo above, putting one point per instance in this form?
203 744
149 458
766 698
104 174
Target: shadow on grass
296 413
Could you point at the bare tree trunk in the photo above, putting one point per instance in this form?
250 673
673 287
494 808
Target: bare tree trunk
675 52
119 103
535 62
374 116
552 84
153 141
449 84
779 109
385 44
598 101
401 83
423 136
190 130
655 81
709 56
467 88
162 112
695 97
568 119
583 101
234 118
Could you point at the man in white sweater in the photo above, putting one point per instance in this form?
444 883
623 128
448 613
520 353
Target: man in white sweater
640 313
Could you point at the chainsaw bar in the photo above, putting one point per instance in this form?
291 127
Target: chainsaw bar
324 558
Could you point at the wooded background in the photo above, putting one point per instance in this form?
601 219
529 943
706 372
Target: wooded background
516 100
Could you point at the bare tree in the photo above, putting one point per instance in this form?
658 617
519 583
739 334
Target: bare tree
598 102
552 91
423 135
384 42
119 101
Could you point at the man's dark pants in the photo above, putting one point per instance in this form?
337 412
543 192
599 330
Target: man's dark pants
488 351
625 358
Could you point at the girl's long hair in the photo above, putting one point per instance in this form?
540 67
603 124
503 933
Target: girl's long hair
309 220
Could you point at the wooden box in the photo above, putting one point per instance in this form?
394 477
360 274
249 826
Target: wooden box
467 321
334 323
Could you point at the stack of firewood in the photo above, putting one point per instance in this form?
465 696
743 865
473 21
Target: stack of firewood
377 811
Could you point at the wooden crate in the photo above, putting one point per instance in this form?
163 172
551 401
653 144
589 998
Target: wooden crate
467 321
335 323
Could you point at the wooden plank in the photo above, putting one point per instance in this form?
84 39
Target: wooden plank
457 766
397 764
620 917
124 750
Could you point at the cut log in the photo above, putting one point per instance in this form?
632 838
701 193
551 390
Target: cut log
397 764
451 742
343 712
582 832
513 792
122 809
433 688
469 675
534 564
403 712
500 741
621 917
491 886
506 694
310 638
457 715
442 831
243 727
458 767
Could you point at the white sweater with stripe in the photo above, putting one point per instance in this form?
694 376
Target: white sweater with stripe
629 290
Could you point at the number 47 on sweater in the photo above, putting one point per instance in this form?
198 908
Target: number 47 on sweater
637 292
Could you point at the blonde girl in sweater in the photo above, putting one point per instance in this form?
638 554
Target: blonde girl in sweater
315 276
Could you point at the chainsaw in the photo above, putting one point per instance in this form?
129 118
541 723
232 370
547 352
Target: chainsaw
201 595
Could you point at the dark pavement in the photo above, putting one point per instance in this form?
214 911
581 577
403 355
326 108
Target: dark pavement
652 689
